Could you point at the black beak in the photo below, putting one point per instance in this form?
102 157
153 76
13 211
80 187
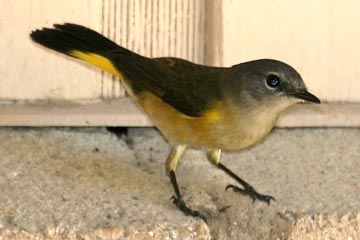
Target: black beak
305 95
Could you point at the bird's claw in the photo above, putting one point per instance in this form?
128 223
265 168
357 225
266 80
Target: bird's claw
186 210
251 192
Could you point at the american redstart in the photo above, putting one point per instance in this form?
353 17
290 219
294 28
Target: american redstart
193 105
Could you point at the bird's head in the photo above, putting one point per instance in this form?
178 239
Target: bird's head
273 83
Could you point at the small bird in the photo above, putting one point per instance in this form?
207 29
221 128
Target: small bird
197 106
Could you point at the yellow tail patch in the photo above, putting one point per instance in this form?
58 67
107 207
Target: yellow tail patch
96 60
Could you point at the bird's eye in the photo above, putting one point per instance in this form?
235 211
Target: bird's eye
273 81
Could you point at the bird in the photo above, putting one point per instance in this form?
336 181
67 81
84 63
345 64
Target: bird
193 105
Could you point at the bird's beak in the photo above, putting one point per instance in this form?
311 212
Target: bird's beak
305 95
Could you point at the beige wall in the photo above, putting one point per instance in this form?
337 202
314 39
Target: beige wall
29 72
150 27
319 38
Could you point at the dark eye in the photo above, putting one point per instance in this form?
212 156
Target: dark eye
273 81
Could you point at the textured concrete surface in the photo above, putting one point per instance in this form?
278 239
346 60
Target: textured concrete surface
63 183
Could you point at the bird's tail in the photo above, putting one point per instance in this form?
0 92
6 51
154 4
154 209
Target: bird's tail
80 42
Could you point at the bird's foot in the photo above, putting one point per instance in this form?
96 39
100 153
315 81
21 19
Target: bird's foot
251 192
179 202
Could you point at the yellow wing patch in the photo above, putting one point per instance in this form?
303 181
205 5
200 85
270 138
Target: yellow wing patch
96 60
213 114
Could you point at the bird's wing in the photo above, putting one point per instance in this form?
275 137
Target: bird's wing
188 87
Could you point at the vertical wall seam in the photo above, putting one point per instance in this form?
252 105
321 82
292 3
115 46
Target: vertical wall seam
102 32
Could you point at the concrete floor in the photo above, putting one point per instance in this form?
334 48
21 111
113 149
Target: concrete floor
87 183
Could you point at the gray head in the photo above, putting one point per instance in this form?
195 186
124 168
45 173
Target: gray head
269 80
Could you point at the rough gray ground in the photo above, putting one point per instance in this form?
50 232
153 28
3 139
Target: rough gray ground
87 183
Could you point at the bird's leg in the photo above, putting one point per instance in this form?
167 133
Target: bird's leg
171 165
214 157
247 190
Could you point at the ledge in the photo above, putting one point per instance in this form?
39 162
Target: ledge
123 112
